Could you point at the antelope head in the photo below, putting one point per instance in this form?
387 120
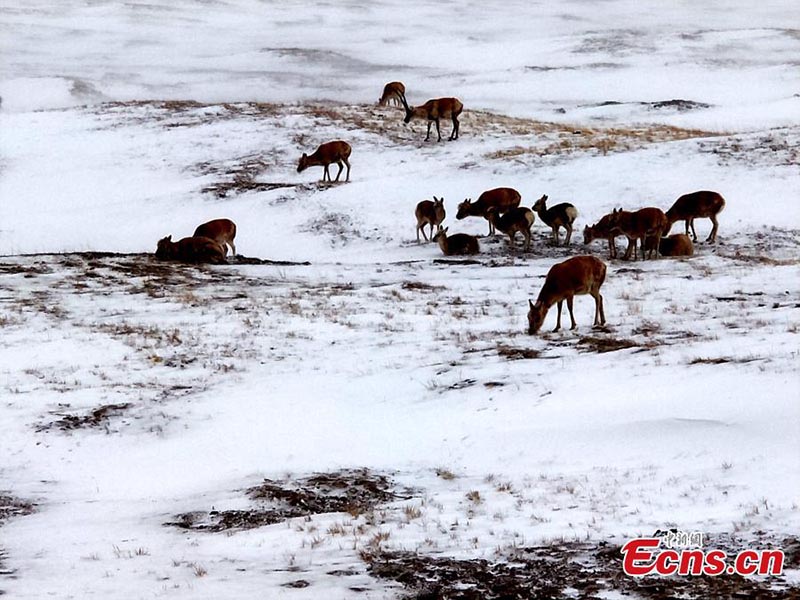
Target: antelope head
463 209
536 316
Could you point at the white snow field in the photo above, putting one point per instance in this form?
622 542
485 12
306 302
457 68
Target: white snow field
140 401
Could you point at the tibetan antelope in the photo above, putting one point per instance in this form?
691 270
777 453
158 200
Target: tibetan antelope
330 152
565 280
516 219
393 93
429 213
432 111
503 199
560 215
458 243
694 206
190 249
602 230
221 231
678 244
638 226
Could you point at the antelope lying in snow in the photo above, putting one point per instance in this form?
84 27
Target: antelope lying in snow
393 93
678 244
516 219
221 231
433 110
458 243
565 280
639 225
190 249
429 213
560 215
602 230
694 206
330 152
503 199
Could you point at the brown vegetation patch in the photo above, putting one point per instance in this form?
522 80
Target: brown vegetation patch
421 287
350 490
604 344
455 262
573 139
13 507
559 570
512 353
96 418
721 360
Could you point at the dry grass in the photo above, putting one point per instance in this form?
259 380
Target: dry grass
570 139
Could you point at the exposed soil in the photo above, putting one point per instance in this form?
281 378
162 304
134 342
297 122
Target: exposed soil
350 490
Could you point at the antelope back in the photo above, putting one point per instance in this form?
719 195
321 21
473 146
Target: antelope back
218 229
696 204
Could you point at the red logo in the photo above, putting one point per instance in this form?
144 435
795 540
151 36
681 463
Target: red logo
646 556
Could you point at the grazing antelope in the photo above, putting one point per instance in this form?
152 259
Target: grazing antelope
503 199
330 152
458 243
678 244
433 110
221 231
602 230
393 93
190 249
697 205
560 215
565 280
638 226
516 219
429 213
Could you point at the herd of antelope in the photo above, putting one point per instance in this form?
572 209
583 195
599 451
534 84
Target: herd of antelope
648 228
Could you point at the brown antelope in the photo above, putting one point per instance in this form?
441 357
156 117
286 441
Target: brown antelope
429 213
560 215
190 249
458 243
565 280
694 206
330 152
516 219
602 230
638 226
393 93
433 110
503 199
221 231
678 244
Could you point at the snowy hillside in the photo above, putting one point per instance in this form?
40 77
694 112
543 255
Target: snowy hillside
293 422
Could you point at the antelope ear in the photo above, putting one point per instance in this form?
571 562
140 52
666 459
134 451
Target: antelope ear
530 303
169 237
305 155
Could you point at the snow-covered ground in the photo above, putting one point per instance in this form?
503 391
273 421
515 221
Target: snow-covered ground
123 122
